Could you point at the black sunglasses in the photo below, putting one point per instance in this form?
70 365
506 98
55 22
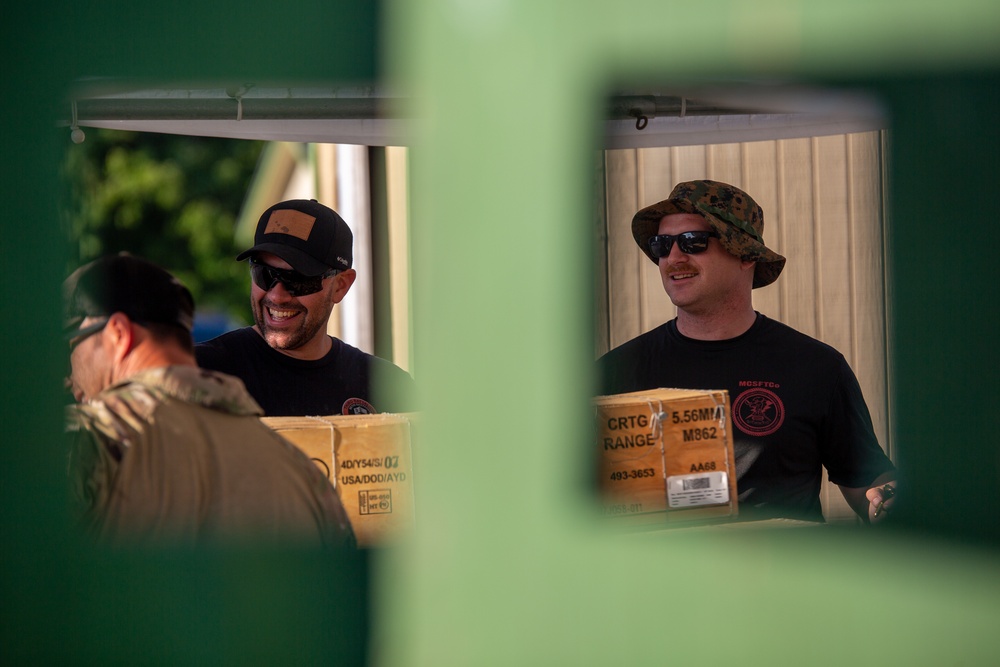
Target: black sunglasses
690 243
77 336
266 277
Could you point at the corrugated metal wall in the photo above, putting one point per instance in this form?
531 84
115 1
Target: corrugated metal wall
823 210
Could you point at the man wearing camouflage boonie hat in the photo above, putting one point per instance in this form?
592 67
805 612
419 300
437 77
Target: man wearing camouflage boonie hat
732 213
795 403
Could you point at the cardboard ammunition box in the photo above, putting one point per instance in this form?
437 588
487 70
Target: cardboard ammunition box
367 458
666 455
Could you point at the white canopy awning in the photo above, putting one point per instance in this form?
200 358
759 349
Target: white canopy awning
370 116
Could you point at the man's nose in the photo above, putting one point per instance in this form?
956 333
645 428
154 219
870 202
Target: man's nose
278 291
675 252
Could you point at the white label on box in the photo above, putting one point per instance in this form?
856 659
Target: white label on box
375 501
704 488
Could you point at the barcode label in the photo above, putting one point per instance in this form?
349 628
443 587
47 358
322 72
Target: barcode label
696 483
707 488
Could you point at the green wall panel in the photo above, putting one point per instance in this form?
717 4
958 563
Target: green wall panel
509 565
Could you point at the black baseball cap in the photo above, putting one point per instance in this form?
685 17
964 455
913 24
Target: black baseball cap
124 283
311 237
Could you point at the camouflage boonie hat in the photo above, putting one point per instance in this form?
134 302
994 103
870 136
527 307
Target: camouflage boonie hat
732 213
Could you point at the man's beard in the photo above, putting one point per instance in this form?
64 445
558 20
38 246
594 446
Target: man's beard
289 339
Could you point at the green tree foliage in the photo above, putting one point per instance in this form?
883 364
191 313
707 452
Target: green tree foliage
172 199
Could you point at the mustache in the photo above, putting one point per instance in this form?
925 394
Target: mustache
680 267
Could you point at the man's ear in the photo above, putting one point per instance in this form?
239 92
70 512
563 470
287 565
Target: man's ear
342 283
118 336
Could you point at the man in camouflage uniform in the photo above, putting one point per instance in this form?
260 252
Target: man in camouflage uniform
796 405
166 451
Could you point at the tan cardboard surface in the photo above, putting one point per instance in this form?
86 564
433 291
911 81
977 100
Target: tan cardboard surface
368 460
666 455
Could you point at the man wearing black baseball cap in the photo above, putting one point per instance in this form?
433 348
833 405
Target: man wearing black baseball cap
163 450
300 267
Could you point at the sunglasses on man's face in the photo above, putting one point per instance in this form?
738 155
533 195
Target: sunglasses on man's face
690 243
77 336
296 284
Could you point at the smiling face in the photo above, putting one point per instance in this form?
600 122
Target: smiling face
705 282
296 325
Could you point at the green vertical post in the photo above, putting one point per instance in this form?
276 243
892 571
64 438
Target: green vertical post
510 566
65 600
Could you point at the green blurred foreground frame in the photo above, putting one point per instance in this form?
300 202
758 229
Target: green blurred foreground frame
508 565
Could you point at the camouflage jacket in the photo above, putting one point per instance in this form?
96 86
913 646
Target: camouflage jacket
180 453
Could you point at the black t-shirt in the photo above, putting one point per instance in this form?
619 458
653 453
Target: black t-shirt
796 406
345 381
